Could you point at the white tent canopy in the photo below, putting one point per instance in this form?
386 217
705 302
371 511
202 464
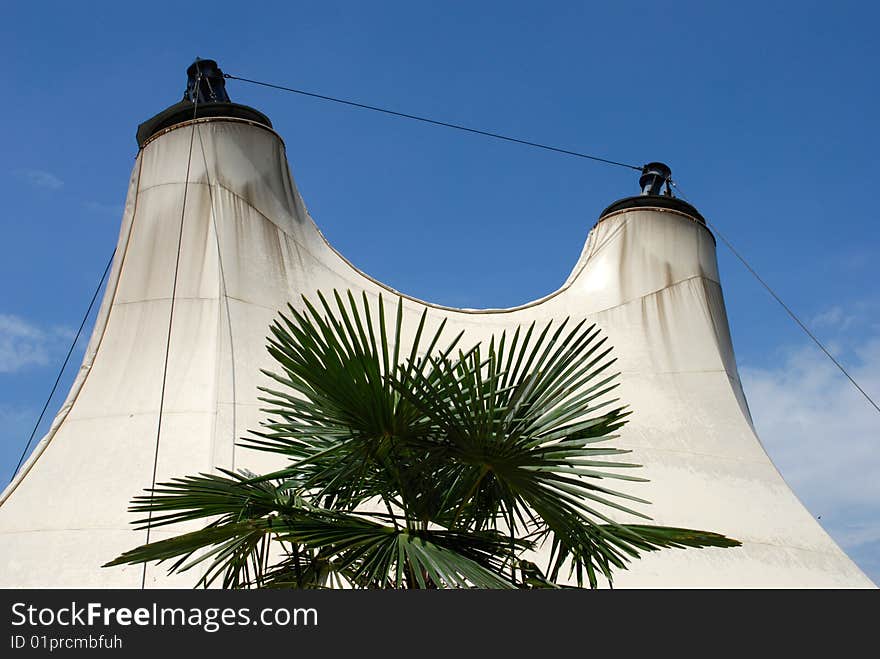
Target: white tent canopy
647 276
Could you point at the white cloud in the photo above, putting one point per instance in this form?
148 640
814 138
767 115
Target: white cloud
41 179
104 209
823 435
11 415
16 423
24 344
834 318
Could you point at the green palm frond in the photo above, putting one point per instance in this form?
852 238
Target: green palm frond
415 460
362 551
340 416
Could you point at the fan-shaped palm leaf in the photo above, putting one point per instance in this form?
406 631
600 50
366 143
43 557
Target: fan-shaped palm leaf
419 463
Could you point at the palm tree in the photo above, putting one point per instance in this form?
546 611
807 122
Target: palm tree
426 465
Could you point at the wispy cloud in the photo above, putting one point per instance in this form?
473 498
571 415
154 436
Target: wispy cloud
856 257
24 344
821 433
16 422
104 209
11 415
834 318
40 178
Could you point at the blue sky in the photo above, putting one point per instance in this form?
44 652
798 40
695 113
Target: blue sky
765 111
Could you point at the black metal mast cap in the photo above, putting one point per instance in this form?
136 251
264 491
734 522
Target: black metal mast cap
654 176
205 81
205 87
654 201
